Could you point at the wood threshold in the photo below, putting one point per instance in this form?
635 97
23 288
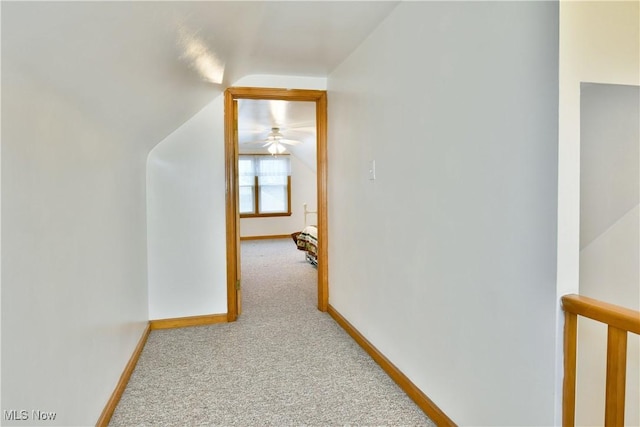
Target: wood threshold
275 236
183 322
113 401
421 399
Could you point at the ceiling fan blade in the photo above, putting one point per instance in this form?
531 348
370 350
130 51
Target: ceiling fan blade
249 137
307 129
289 141
299 125
259 141
252 131
298 135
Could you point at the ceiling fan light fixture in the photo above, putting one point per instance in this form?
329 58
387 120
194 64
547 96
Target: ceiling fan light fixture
276 148
275 137
275 134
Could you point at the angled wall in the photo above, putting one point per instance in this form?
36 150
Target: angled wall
446 261
186 219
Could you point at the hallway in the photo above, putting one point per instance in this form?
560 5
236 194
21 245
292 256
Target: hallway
282 363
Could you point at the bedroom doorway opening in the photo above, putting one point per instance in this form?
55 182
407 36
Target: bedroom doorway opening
235 199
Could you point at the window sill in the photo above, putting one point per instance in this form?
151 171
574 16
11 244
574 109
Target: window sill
266 215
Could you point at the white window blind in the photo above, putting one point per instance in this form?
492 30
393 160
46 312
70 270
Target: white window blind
264 184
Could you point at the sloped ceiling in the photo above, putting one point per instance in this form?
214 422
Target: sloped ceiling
144 68
296 120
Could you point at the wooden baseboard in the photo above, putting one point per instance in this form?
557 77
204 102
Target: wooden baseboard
182 322
421 399
275 236
110 408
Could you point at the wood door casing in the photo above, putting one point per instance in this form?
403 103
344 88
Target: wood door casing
234 296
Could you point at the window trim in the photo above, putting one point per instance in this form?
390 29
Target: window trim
256 195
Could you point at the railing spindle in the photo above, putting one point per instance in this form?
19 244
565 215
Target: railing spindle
620 320
569 382
616 376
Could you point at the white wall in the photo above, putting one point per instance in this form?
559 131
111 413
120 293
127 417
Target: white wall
74 283
186 210
0 219
286 82
609 156
609 234
303 190
447 261
599 43
186 219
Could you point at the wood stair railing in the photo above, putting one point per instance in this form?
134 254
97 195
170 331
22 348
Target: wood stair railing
620 320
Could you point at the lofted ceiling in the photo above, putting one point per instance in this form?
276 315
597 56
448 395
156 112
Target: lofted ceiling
144 68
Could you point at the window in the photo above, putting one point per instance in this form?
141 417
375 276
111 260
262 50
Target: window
265 185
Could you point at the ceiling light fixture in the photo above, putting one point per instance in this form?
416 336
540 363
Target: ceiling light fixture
276 148
275 142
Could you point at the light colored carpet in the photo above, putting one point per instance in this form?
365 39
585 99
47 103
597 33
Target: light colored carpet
283 363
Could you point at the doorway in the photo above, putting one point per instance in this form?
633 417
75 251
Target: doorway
234 279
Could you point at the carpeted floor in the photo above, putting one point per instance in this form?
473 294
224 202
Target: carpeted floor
282 363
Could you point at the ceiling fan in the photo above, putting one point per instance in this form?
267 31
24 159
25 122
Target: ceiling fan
275 141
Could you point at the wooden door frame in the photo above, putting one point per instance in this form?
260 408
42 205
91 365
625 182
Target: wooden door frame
231 179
